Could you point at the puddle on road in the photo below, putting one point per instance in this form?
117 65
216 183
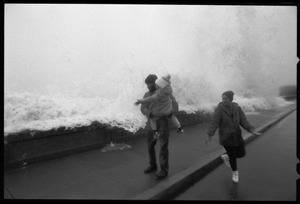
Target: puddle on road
112 146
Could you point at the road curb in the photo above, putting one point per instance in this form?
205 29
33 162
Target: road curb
170 187
249 137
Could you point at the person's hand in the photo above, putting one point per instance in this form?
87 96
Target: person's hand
256 133
137 102
208 139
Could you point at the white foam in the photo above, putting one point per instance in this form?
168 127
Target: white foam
56 77
36 112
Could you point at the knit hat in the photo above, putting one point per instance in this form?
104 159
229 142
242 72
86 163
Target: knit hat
151 78
229 94
164 81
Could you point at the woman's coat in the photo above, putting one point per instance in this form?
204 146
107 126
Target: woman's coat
228 118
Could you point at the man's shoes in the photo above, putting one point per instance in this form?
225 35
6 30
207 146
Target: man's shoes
226 160
150 169
179 130
162 174
235 176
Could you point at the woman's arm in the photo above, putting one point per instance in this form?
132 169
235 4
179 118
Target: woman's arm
246 124
243 121
215 122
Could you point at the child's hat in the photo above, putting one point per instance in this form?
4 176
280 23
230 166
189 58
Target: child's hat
163 81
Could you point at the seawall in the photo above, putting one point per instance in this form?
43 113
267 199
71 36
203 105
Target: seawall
28 147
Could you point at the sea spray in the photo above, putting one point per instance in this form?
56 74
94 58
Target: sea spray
70 65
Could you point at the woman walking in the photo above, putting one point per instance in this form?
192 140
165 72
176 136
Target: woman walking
228 117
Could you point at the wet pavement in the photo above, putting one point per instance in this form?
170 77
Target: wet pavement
267 173
118 174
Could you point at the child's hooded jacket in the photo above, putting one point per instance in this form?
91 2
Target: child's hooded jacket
161 100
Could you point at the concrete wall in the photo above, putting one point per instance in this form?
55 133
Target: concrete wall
29 147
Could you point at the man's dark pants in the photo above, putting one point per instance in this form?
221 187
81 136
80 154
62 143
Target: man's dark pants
163 129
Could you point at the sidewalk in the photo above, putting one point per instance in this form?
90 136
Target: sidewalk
119 174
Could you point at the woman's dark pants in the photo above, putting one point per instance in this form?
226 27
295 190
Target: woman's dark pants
234 153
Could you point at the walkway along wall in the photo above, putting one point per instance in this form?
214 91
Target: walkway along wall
28 147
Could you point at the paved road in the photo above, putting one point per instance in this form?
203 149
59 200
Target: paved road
119 174
267 173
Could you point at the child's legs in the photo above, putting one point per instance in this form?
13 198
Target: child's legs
153 124
175 121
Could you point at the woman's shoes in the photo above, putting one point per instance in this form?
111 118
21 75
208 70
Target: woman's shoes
235 176
225 158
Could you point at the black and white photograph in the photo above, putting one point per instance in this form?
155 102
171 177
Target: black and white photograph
150 102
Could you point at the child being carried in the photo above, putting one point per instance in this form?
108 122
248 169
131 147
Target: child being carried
161 104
